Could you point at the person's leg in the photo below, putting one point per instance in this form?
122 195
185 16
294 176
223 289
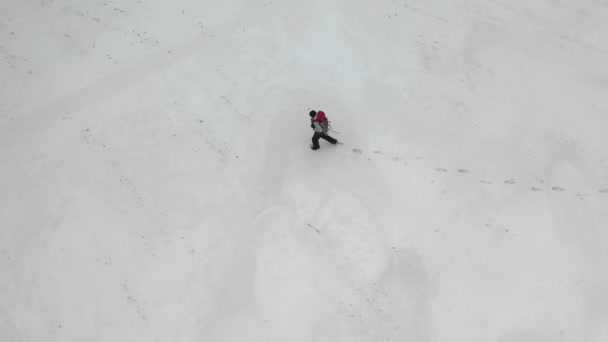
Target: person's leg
315 141
330 139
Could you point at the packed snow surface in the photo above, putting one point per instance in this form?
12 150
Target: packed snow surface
156 180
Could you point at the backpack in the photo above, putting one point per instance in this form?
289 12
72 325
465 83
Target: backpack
322 118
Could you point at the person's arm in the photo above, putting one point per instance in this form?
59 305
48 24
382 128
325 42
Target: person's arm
318 127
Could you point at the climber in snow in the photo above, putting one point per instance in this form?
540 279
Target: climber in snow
320 124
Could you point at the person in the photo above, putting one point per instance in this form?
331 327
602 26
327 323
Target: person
320 124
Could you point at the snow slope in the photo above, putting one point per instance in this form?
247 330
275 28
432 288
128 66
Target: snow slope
156 182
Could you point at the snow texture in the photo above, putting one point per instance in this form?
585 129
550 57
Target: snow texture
156 180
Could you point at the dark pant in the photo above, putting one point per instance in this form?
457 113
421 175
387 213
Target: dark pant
317 136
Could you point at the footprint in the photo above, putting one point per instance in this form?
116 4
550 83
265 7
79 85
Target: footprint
603 191
510 181
463 171
399 160
440 169
535 189
378 152
483 181
356 150
558 189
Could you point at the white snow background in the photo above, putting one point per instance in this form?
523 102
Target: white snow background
156 180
